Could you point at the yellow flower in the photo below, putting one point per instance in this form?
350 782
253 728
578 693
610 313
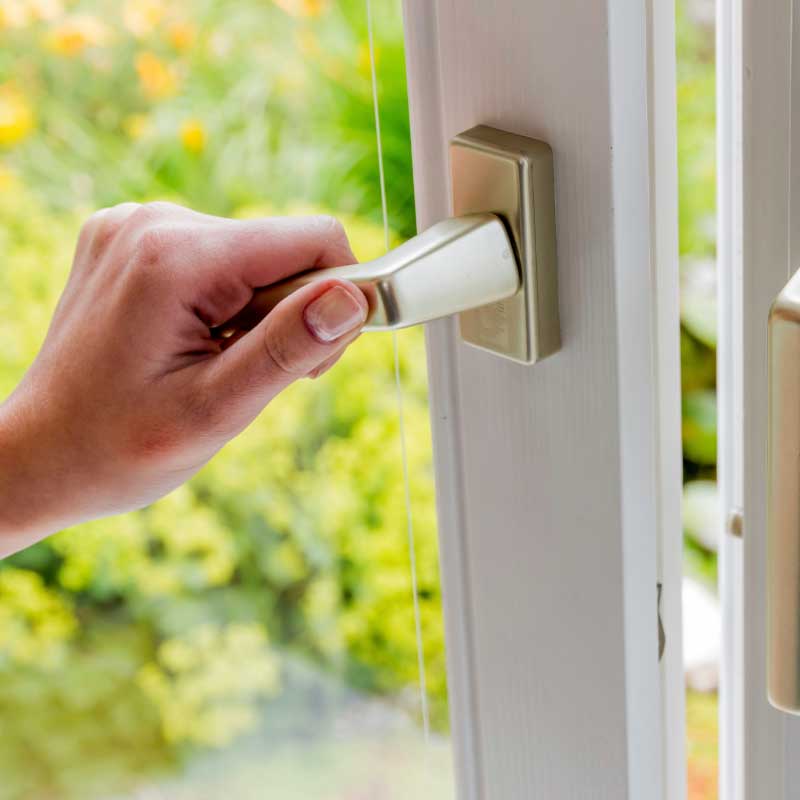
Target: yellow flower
181 35
75 34
141 16
193 136
158 80
16 116
136 126
302 8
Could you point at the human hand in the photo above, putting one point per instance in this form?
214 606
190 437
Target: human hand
131 392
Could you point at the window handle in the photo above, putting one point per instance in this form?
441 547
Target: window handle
783 501
493 262
455 265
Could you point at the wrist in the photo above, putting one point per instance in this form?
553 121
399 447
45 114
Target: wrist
31 494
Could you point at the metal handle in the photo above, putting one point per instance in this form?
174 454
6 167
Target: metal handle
783 501
458 264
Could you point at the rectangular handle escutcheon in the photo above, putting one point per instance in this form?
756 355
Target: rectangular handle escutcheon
512 175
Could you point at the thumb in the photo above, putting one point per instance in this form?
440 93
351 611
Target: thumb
302 332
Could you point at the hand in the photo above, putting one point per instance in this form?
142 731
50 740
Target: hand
132 393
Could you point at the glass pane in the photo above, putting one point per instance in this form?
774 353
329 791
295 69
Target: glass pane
695 34
253 634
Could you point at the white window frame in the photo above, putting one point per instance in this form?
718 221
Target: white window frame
558 485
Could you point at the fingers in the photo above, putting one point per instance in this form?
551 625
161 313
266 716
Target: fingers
217 262
267 250
230 260
100 228
301 334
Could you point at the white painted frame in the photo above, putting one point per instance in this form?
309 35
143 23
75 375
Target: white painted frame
759 243
559 484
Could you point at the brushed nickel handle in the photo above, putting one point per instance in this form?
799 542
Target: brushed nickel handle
455 265
783 501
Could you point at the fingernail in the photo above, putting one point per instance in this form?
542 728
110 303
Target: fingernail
333 314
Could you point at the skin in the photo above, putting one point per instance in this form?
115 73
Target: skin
131 393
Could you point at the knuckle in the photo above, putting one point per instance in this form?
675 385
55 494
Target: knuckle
147 215
94 226
156 210
100 229
151 246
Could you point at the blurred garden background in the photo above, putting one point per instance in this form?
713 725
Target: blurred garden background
255 629
697 218
253 634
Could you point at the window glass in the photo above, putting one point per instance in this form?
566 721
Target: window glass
253 634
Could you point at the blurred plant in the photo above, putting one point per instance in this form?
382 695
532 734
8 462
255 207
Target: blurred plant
157 78
35 622
193 136
16 116
697 208
72 35
206 682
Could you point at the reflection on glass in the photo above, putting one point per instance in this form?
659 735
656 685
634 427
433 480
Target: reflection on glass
251 635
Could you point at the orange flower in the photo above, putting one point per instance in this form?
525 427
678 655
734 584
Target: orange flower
193 136
16 116
75 34
181 35
158 80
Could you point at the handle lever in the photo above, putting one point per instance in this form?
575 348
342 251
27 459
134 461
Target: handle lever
783 501
455 265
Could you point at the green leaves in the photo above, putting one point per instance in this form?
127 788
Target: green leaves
700 427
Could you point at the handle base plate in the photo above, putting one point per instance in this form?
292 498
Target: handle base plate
512 176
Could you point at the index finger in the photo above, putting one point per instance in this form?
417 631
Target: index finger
266 250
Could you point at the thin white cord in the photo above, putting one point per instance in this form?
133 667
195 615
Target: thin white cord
423 692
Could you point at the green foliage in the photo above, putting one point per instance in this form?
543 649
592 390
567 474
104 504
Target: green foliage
697 231
226 104
696 135
83 727
700 428
205 682
35 622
